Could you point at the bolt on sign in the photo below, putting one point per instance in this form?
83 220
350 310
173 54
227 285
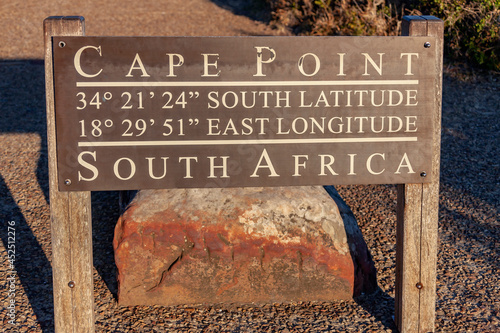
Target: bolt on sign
170 112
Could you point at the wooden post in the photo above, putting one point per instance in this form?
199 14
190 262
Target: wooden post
417 214
71 218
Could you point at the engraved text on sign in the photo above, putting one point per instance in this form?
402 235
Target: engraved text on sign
168 112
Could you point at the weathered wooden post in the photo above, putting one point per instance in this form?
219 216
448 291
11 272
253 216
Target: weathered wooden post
71 218
417 213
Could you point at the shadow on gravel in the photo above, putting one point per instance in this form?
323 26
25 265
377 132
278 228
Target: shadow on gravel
477 239
22 103
105 214
470 168
32 267
376 302
381 306
470 143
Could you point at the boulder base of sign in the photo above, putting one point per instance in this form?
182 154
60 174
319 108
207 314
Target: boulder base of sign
240 245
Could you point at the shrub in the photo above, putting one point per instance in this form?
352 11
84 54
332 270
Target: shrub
334 17
472 27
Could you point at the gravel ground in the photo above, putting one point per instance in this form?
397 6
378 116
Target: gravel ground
468 283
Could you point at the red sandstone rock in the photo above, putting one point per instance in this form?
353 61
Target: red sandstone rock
194 246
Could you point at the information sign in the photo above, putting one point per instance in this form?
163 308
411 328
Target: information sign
170 112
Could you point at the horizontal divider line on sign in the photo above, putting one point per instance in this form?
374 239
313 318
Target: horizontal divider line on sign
241 142
245 83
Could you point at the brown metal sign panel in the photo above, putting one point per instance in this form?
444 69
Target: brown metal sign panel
169 112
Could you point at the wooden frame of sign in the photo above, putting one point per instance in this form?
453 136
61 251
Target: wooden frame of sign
417 208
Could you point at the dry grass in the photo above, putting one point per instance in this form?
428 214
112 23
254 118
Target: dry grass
343 17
